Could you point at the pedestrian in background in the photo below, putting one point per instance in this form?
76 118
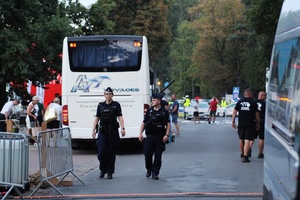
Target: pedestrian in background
248 112
196 112
223 102
261 103
5 112
213 105
41 113
108 133
174 113
58 110
32 114
157 125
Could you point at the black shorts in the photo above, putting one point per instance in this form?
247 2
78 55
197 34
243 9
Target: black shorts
196 114
246 132
53 124
212 112
260 133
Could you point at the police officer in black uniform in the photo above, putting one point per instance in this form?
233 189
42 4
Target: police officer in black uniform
108 134
157 125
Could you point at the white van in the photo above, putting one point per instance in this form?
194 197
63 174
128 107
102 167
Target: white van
282 126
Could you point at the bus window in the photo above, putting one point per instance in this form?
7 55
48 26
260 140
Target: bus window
104 55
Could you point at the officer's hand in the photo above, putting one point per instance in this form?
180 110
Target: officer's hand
123 133
94 134
165 139
141 138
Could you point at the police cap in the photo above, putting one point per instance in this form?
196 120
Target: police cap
108 89
157 96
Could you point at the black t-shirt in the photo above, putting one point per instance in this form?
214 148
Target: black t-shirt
247 108
261 104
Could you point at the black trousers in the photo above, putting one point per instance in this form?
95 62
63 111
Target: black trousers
2 123
107 142
153 145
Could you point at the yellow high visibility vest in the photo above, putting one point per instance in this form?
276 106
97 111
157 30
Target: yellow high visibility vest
223 103
187 102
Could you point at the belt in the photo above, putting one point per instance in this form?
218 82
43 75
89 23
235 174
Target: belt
153 135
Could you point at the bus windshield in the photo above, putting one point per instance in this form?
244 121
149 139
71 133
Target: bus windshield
105 55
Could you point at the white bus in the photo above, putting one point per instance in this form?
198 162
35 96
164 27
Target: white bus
93 63
282 125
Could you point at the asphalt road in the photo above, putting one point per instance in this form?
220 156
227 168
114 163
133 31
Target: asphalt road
203 163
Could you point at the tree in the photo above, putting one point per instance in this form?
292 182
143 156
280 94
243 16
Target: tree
31 35
262 16
183 41
181 51
217 58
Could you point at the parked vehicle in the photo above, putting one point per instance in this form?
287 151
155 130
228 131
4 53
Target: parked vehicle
226 111
202 108
282 123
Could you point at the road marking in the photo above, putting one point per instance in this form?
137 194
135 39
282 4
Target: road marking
151 195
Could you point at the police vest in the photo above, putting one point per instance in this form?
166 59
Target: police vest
156 125
108 113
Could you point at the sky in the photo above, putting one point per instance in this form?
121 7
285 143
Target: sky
87 3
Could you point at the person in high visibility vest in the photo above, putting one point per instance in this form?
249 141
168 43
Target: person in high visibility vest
186 103
223 102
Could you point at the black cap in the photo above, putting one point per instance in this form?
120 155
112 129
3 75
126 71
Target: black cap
108 89
157 96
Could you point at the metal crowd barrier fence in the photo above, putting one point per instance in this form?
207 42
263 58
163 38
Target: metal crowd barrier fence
55 157
14 162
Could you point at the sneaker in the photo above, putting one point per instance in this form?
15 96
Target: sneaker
249 153
213 121
245 159
109 176
101 175
261 155
209 122
148 174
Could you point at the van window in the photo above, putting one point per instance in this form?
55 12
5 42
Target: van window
284 86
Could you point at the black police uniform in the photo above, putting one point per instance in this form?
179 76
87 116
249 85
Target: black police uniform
155 127
108 135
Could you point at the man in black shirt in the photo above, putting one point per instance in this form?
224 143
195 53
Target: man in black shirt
248 112
261 103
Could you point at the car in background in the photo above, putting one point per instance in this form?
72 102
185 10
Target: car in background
226 111
202 108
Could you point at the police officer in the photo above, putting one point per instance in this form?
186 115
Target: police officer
108 134
157 125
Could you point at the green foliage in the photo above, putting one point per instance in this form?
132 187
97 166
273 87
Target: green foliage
181 51
31 31
207 46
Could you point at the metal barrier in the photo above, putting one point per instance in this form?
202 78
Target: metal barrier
14 162
55 157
